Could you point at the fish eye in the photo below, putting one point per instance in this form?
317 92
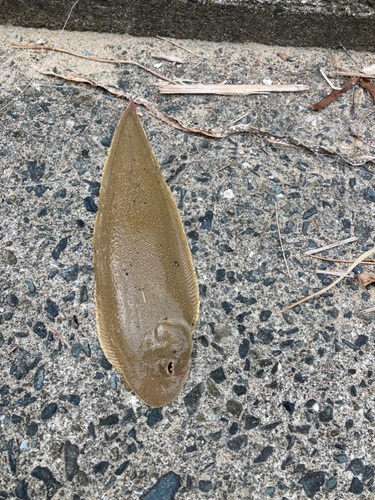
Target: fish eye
166 366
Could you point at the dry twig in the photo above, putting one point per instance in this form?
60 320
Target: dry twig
337 62
13 348
176 45
226 166
362 137
283 56
232 130
59 336
328 80
335 273
91 58
281 241
332 245
370 262
365 311
167 57
229 89
334 283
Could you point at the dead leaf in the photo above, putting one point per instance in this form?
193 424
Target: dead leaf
365 279
367 85
331 97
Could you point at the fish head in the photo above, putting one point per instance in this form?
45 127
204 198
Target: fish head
165 363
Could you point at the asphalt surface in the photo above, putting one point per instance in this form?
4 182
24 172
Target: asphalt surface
276 405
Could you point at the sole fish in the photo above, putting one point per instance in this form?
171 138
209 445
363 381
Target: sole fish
146 290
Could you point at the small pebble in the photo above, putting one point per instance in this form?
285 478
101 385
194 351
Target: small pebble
74 399
192 399
9 257
312 482
264 454
30 285
165 487
48 411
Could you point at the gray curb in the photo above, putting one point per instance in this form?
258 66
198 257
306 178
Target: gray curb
287 22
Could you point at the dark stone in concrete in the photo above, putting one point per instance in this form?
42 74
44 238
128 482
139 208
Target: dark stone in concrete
204 486
48 411
165 487
218 375
238 442
356 487
356 466
74 399
21 490
192 398
234 407
326 415
121 468
32 429
264 455
251 422
71 273
154 416
312 482
71 452
110 420
11 457
38 378
45 475
60 247
101 467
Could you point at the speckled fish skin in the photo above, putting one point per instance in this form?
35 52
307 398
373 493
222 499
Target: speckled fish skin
146 290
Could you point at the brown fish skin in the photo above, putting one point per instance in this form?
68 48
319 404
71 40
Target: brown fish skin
146 290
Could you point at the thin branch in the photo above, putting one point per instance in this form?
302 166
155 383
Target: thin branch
168 57
353 73
362 137
13 348
91 58
226 166
176 45
370 310
334 283
336 273
228 89
235 129
332 245
59 336
336 62
335 94
369 262
328 80
351 58
281 241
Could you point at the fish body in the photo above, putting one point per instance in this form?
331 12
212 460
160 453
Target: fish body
146 290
